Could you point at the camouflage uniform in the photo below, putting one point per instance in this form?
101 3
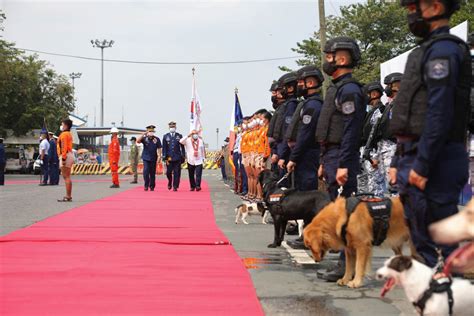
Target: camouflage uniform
371 180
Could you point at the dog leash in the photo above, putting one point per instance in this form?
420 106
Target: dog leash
283 178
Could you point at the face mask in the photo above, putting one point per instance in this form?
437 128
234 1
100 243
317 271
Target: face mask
329 68
244 126
472 52
239 129
61 128
388 91
195 136
172 129
301 91
417 25
151 134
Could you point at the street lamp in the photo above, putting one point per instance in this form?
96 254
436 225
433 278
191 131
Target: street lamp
102 44
75 75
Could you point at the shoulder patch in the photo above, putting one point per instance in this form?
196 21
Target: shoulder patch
288 119
438 68
348 107
306 119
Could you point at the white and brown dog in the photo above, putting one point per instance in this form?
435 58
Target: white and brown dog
415 278
246 209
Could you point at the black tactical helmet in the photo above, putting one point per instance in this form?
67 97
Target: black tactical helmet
393 77
274 86
313 71
450 5
373 86
343 43
300 71
470 39
288 79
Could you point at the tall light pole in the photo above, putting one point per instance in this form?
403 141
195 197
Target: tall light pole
217 138
73 76
102 44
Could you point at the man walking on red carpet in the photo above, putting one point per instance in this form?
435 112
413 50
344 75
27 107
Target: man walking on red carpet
114 157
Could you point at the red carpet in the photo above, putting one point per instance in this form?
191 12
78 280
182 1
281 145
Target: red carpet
134 253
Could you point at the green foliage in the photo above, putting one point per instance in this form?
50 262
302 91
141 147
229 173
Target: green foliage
30 91
466 13
379 28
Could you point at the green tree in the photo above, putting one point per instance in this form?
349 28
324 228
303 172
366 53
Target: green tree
380 29
30 91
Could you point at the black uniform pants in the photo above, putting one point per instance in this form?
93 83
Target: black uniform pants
149 173
2 173
195 174
173 173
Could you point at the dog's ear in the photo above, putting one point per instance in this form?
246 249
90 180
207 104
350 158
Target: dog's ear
400 263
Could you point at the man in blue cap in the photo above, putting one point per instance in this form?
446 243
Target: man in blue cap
173 155
150 155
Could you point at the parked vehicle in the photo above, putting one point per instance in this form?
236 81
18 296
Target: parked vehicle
16 161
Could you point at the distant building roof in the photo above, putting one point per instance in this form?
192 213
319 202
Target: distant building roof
101 131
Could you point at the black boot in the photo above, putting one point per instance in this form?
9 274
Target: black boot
297 243
334 273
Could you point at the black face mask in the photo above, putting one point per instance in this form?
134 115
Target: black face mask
388 91
417 25
301 91
329 68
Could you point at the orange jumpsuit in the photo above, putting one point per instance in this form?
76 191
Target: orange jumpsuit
114 157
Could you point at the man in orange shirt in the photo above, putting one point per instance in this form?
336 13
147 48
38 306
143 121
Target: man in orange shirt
66 156
114 157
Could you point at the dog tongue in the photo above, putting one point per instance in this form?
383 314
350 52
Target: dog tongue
387 286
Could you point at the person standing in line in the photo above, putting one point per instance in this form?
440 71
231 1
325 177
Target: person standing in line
114 157
195 153
150 155
53 160
134 159
173 156
2 162
67 157
43 156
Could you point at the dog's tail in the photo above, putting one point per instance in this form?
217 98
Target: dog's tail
237 208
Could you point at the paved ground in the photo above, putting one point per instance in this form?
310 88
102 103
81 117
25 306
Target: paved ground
284 288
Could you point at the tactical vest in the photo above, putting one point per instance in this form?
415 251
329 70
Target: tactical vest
410 105
383 130
330 123
292 131
278 119
366 126
471 121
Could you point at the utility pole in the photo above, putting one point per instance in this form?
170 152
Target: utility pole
102 44
322 37
217 138
73 76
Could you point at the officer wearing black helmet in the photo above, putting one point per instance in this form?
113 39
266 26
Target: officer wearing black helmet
339 124
289 92
430 119
387 142
371 179
278 101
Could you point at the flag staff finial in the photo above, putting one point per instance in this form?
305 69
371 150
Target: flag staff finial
193 70
236 90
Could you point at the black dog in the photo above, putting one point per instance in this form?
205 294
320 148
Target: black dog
290 204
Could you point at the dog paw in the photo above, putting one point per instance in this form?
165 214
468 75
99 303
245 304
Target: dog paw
354 284
342 282
246 223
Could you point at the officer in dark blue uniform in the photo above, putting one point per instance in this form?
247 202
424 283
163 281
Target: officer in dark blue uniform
339 125
150 155
304 157
173 155
274 128
288 82
430 119
53 161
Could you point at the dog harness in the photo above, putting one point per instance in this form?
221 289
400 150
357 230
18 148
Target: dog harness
439 284
380 210
276 199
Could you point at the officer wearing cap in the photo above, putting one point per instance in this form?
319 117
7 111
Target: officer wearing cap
371 179
134 158
430 118
53 160
150 155
3 162
173 155
44 160
289 92
387 142
339 124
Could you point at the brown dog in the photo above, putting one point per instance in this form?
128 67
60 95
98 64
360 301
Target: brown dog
325 233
